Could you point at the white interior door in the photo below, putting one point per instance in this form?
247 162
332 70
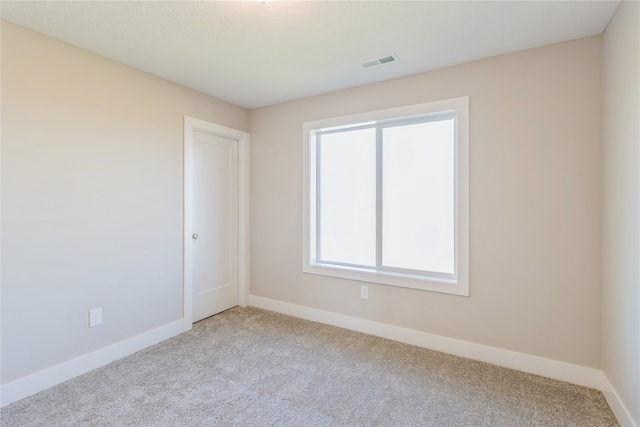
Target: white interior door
215 224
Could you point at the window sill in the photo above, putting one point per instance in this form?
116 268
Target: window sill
425 283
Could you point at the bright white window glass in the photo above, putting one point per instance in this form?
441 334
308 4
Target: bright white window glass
418 188
423 242
348 197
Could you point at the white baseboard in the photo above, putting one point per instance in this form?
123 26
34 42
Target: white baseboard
42 380
615 403
574 374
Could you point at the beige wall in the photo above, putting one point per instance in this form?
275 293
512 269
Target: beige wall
621 225
535 204
91 199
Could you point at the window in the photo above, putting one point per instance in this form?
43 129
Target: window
386 197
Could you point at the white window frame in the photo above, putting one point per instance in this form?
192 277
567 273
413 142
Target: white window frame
457 283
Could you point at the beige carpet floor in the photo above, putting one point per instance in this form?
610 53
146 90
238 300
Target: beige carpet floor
250 367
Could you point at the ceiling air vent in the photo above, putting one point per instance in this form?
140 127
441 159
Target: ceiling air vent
380 61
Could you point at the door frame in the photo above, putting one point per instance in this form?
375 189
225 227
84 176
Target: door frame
191 125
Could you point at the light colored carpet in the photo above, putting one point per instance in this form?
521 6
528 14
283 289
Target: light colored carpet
250 367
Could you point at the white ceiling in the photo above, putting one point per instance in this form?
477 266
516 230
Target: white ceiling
255 54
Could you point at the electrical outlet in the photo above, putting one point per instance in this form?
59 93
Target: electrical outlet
95 317
364 292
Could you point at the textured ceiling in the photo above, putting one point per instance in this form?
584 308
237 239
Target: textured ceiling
254 54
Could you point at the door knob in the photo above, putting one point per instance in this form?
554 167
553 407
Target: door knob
194 236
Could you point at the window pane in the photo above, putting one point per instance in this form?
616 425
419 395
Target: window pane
418 197
348 197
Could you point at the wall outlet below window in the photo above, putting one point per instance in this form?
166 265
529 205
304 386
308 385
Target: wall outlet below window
364 292
95 317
